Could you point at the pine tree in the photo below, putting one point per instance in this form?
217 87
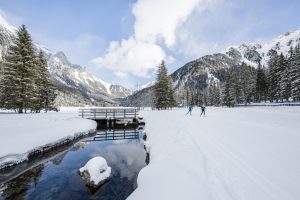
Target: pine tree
236 85
171 99
9 80
17 84
200 98
284 84
214 95
229 99
295 73
273 78
229 91
25 82
46 90
247 80
261 84
187 96
164 94
210 95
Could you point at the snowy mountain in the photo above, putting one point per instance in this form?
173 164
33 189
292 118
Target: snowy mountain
210 68
147 85
199 73
253 53
7 33
118 91
140 98
76 85
82 80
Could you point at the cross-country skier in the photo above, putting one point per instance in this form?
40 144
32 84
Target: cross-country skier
190 110
202 110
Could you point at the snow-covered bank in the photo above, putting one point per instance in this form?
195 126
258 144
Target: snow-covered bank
238 153
22 133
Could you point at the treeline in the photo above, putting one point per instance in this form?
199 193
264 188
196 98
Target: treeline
210 95
25 83
240 85
279 81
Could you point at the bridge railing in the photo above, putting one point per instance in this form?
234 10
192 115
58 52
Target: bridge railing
107 113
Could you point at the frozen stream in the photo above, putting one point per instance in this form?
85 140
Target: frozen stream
58 178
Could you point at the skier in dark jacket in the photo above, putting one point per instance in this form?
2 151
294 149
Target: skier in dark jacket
202 110
190 110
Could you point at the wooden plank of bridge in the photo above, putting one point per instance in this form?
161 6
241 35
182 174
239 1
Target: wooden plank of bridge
108 113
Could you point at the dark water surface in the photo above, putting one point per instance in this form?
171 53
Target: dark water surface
59 179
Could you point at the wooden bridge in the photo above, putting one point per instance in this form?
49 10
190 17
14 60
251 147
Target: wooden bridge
109 113
117 135
112 117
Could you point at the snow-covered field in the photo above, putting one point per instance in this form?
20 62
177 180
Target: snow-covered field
233 153
21 133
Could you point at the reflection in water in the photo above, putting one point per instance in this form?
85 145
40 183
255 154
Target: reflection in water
58 179
18 189
117 135
124 155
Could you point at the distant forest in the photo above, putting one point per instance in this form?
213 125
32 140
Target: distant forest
279 81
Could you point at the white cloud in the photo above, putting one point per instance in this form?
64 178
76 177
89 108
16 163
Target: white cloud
160 18
121 75
155 25
131 56
217 27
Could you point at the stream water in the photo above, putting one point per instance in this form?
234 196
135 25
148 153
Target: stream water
59 179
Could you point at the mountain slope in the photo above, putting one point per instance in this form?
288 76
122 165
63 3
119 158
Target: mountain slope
76 85
199 73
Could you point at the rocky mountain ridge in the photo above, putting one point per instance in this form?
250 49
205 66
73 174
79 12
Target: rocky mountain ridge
199 73
76 85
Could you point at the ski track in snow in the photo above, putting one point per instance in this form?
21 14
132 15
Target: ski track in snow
219 187
265 185
232 154
236 162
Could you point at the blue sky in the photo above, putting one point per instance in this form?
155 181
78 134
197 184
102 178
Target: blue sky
122 41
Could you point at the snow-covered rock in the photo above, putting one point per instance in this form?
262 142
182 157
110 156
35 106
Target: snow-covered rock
95 172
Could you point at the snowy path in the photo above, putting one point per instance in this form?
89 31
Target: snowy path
240 153
21 133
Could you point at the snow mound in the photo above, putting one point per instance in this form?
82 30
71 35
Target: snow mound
95 172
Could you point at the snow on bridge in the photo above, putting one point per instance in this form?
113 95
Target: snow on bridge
109 113
112 117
